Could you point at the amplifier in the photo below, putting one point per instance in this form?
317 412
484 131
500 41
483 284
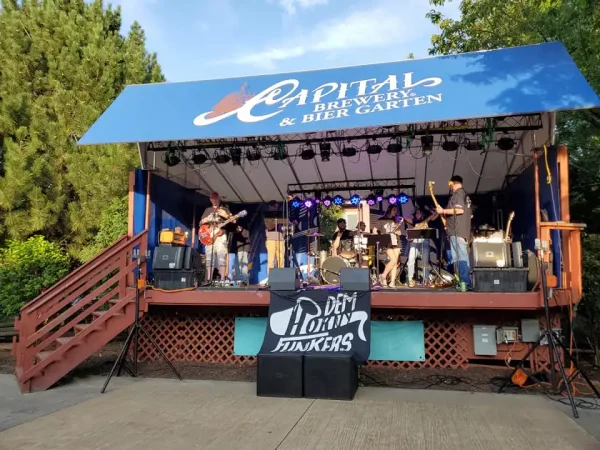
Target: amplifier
168 258
330 376
170 280
490 254
279 375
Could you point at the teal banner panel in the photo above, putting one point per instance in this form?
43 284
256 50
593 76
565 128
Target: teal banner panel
248 335
397 341
390 341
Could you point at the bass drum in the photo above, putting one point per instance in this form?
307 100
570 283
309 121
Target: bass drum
330 269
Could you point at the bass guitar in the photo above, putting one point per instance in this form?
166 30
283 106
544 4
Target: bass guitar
510 219
435 202
208 233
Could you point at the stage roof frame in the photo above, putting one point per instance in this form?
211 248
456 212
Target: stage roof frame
471 98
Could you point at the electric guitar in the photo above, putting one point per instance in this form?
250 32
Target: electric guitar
435 202
425 223
508 225
208 233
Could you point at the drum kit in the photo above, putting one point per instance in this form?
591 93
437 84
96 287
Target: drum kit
353 253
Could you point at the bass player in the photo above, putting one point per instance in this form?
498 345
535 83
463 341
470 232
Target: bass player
216 254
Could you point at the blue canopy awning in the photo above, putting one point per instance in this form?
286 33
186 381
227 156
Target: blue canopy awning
512 81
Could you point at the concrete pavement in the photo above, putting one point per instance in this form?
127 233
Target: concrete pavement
169 414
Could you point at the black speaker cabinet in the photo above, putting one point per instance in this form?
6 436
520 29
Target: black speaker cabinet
330 376
283 279
168 258
279 375
355 279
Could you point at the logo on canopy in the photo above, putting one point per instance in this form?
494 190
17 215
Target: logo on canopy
329 101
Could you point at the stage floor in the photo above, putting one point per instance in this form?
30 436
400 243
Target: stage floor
401 297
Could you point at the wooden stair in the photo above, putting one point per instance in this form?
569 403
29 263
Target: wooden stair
78 316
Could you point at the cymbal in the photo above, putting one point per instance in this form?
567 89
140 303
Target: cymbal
316 234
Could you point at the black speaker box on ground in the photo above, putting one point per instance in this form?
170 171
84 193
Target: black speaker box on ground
330 376
279 375
283 279
168 258
355 279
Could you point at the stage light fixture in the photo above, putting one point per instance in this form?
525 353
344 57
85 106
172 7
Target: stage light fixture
327 201
199 158
253 154
236 156
392 199
427 145
374 149
355 199
296 202
395 146
403 199
371 200
325 149
222 158
474 146
506 143
379 195
307 153
309 202
449 146
338 200
348 151
170 158
379 198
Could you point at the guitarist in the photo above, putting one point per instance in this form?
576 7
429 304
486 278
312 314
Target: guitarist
458 213
216 254
418 247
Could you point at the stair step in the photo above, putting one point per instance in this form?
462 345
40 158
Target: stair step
43 355
81 326
63 340
98 313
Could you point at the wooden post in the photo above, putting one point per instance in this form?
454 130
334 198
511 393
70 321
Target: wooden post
130 207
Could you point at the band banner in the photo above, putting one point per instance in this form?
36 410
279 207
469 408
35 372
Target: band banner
319 321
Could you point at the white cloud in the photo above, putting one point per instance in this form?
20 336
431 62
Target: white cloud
291 6
384 25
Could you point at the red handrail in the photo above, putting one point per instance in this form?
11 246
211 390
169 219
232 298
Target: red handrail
77 274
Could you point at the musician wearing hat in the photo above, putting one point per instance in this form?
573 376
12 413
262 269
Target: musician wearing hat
216 254
458 213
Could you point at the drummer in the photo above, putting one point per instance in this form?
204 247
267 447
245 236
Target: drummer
342 238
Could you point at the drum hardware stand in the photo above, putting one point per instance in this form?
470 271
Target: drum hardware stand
133 335
553 342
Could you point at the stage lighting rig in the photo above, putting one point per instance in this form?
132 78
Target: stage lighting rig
348 151
327 201
253 154
374 149
474 146
506 143
309 202
338 200
325 149
280 152
199 158
236 156
355 199
307 153
427 144
371 200
403 199
392 199
450 146
296 202
395 146
170 158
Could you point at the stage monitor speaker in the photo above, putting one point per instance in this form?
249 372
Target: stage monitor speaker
168 258
490 254
279 375
355 279
283 279
330 376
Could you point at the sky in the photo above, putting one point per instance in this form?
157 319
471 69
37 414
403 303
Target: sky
202 39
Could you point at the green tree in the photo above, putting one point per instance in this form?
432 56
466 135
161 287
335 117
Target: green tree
112 225
63 63
488 24
26 268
